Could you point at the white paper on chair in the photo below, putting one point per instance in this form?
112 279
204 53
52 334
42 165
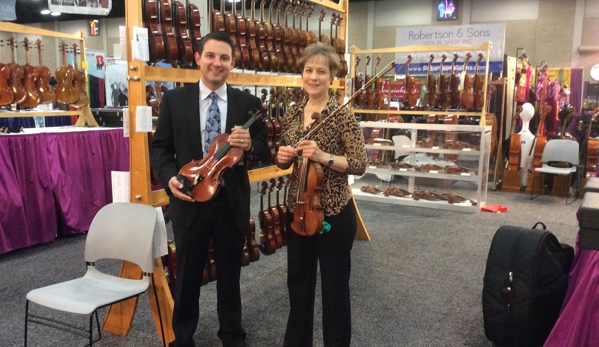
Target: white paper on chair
160 246
121 186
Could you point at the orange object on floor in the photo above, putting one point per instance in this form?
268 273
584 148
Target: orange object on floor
494 208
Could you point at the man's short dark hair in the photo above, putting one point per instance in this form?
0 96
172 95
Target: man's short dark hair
218 36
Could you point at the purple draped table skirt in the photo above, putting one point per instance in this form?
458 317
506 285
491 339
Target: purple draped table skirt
53 183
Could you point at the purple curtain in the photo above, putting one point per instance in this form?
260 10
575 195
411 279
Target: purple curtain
54 183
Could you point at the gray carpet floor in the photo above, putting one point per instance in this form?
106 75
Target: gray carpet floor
417 283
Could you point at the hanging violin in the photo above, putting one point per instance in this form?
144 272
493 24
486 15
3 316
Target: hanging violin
202 178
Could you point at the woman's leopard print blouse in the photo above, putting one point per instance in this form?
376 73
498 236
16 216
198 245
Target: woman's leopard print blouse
342 136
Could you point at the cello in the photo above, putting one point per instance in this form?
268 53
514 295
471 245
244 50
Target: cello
43 78
514 155
64 91
79 82
16 77
282 208
29 80
201 178
6 93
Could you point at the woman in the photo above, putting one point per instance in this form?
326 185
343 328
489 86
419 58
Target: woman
339 148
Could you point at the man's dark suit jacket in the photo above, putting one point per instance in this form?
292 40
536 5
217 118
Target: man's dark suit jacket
178 141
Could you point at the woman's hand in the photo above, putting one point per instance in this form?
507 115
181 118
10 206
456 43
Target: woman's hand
311 151
286 154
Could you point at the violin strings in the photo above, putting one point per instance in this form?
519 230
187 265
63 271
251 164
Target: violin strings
225 148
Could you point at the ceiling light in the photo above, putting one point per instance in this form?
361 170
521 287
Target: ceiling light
232 0
55 14
45 12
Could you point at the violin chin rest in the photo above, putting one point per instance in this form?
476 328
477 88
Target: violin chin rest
186 185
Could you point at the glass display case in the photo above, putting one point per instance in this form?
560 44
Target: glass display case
432 165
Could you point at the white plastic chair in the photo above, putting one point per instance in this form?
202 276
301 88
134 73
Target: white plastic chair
562 151
123 231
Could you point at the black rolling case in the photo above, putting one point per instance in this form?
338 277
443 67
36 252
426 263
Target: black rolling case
525 283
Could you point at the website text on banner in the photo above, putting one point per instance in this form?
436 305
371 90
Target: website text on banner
451 35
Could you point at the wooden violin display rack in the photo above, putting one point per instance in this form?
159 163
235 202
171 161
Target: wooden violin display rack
119 317
85 115
480 178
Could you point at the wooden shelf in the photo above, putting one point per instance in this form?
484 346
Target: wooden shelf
27 30
39 114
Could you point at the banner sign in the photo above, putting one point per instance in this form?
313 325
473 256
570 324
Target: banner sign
7 10
451 35
90 7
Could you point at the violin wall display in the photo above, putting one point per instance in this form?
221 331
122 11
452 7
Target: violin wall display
443 155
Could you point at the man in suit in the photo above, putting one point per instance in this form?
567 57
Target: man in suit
189 118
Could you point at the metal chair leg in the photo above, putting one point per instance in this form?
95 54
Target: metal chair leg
26 320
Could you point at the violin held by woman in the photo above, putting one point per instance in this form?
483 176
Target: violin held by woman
319 191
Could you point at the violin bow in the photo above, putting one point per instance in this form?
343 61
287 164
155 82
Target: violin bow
320 124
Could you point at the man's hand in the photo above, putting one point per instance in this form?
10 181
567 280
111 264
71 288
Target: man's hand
175 187
240 138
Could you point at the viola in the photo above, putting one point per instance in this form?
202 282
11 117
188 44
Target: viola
184 47
270 131
303 35
321 37
79 82
268 243
274 213
29 81
478 86
295 38
65 92
288 59
252 29
308 217
16 77
276 124
431 86
466 97
218 17
358 84
282 209
454 85
43 78
340 49
442 97
253 250
155 43
410 92
273 54
194 22
168 36
278 37
311 35
241 30
201 178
